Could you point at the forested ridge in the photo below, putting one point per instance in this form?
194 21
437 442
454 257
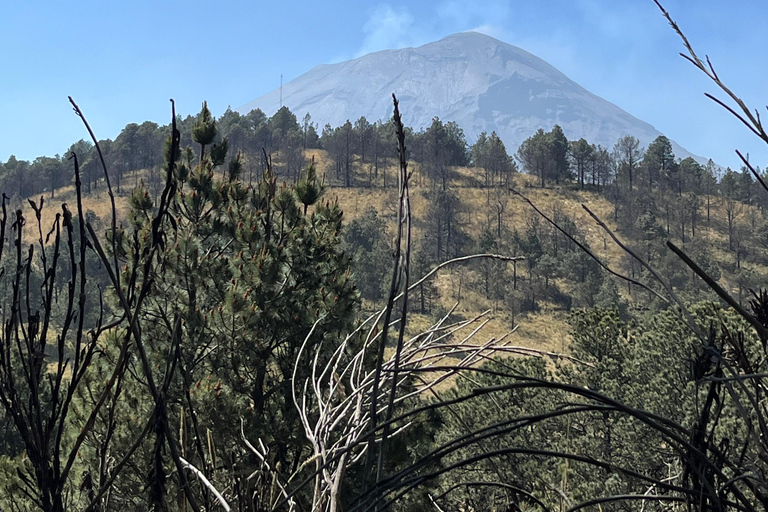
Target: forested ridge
468 205
261 316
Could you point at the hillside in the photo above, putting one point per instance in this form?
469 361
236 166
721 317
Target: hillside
543 329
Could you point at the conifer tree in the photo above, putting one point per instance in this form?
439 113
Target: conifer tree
248 274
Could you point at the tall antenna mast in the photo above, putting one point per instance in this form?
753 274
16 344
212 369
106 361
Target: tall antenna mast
281 90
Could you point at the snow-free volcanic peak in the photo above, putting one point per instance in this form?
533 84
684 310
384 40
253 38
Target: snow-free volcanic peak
477 81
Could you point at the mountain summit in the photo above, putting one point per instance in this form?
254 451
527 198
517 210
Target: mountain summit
477 81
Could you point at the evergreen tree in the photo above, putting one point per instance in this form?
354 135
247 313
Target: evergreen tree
534 153
490 154
248 274
582 152
628 155
559 148
366 239
660 167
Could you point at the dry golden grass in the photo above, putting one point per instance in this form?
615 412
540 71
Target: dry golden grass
546 330
98 202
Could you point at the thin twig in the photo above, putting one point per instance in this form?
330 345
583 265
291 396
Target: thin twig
586 249
199 474
761 330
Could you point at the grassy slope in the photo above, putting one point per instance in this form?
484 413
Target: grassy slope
546 330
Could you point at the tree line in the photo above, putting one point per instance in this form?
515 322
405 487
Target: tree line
360 152
654 194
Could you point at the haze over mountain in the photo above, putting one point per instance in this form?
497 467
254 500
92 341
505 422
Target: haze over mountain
473 79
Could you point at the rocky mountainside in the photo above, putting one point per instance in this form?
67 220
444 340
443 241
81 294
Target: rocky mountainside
471 78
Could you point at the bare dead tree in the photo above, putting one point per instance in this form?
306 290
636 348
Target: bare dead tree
132 285
46 350
333 401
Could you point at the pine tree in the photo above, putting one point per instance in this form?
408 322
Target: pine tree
247 274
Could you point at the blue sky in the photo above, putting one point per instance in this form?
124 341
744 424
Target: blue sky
122 61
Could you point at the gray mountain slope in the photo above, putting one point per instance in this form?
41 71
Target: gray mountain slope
470 78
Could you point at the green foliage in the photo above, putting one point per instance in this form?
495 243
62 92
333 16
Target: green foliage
628 155
284 121
659 164
643 364
367 240
427 296
545 154
204 131
517 470
252 268
490 154
439 147
308 190
534 154
249 274
655 196
582 152
608 296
